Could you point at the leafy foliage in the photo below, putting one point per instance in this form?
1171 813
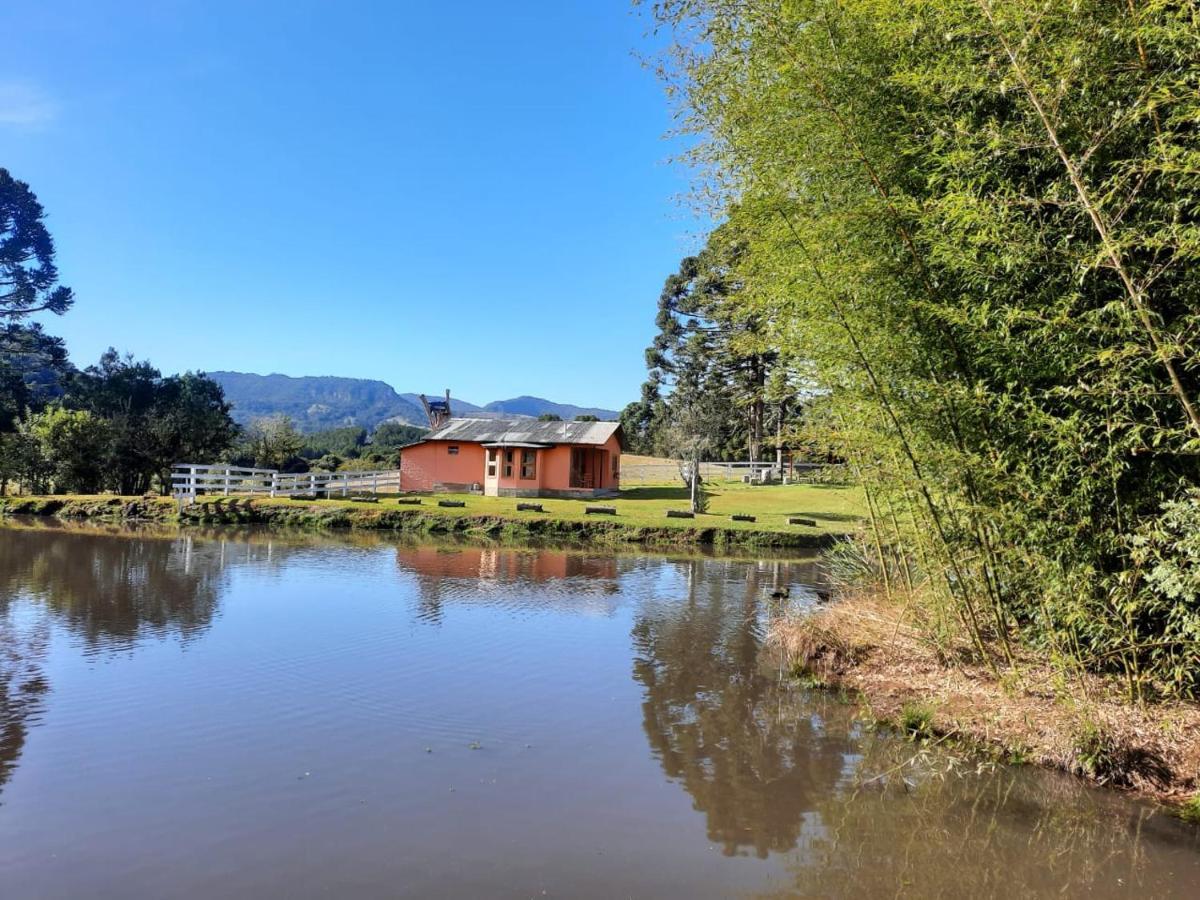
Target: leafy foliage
977 223
272 442
72 445
711 343
33 370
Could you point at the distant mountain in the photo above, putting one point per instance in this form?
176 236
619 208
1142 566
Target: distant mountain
316 402
536 406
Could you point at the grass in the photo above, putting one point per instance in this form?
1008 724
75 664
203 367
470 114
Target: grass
835 510
916 721
641 514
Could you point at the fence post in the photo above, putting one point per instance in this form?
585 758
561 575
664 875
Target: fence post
274 482
227 481
374 484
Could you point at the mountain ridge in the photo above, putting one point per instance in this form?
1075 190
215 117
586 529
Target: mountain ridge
317 402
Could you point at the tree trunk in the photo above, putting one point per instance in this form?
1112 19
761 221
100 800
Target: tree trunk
779 440
758 381
695 478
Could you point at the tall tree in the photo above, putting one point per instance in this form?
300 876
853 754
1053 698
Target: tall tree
73 445
704 327
33 370
28 275
153 421
188 422
979 220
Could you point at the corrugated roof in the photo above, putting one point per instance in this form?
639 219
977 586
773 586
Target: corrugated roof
523 431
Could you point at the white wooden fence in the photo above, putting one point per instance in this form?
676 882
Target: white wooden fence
668 471
189 480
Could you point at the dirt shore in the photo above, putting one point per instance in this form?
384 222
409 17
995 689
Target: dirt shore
1031 712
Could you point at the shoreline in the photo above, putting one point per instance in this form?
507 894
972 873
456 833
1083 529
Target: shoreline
1032 714
416 520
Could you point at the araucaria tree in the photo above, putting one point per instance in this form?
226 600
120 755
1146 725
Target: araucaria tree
710 341
28 276
978 221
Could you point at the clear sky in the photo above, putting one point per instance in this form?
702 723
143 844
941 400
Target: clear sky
470 195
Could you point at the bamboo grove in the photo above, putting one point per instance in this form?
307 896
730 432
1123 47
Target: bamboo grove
976 222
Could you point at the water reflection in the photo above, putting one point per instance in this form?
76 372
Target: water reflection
750 759
374 664
109 589
448 573
995 832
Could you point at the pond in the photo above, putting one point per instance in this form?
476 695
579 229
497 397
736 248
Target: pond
250 714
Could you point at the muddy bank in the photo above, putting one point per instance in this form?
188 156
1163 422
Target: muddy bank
1031 713
384 517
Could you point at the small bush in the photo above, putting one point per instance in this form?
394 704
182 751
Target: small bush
916 721
1190 811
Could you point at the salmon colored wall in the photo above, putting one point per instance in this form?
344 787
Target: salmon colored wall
429 464
613 446
558 466
516 481
473 562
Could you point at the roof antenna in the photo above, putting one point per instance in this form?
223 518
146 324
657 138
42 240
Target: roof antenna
437 411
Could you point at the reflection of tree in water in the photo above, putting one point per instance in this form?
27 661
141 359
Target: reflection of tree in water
22 648
752 761
1000 832
107 589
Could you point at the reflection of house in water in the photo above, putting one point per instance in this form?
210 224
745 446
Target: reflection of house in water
587 584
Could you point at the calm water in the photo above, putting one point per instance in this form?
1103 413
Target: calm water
189 716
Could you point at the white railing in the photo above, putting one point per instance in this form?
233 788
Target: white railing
189 480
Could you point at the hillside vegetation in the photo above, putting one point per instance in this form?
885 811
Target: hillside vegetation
319 402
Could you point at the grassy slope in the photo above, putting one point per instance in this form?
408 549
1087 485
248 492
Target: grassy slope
835 509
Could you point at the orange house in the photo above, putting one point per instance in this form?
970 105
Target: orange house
516 458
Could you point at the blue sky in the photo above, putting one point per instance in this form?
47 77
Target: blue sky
465 195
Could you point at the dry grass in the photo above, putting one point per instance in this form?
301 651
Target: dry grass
1031 712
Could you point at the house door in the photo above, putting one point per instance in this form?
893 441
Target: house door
491 473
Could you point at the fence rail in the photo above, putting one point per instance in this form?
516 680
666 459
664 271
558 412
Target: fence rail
188 480
633 473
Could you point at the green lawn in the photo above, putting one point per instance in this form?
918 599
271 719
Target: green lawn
836 510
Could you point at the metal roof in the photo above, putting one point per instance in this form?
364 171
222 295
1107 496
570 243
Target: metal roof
523 431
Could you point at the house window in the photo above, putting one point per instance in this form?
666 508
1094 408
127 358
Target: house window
528 464
491 464
616 467
452 450
508 464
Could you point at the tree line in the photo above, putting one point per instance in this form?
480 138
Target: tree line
973 227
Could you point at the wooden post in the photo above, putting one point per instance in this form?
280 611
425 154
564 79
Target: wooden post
227 481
